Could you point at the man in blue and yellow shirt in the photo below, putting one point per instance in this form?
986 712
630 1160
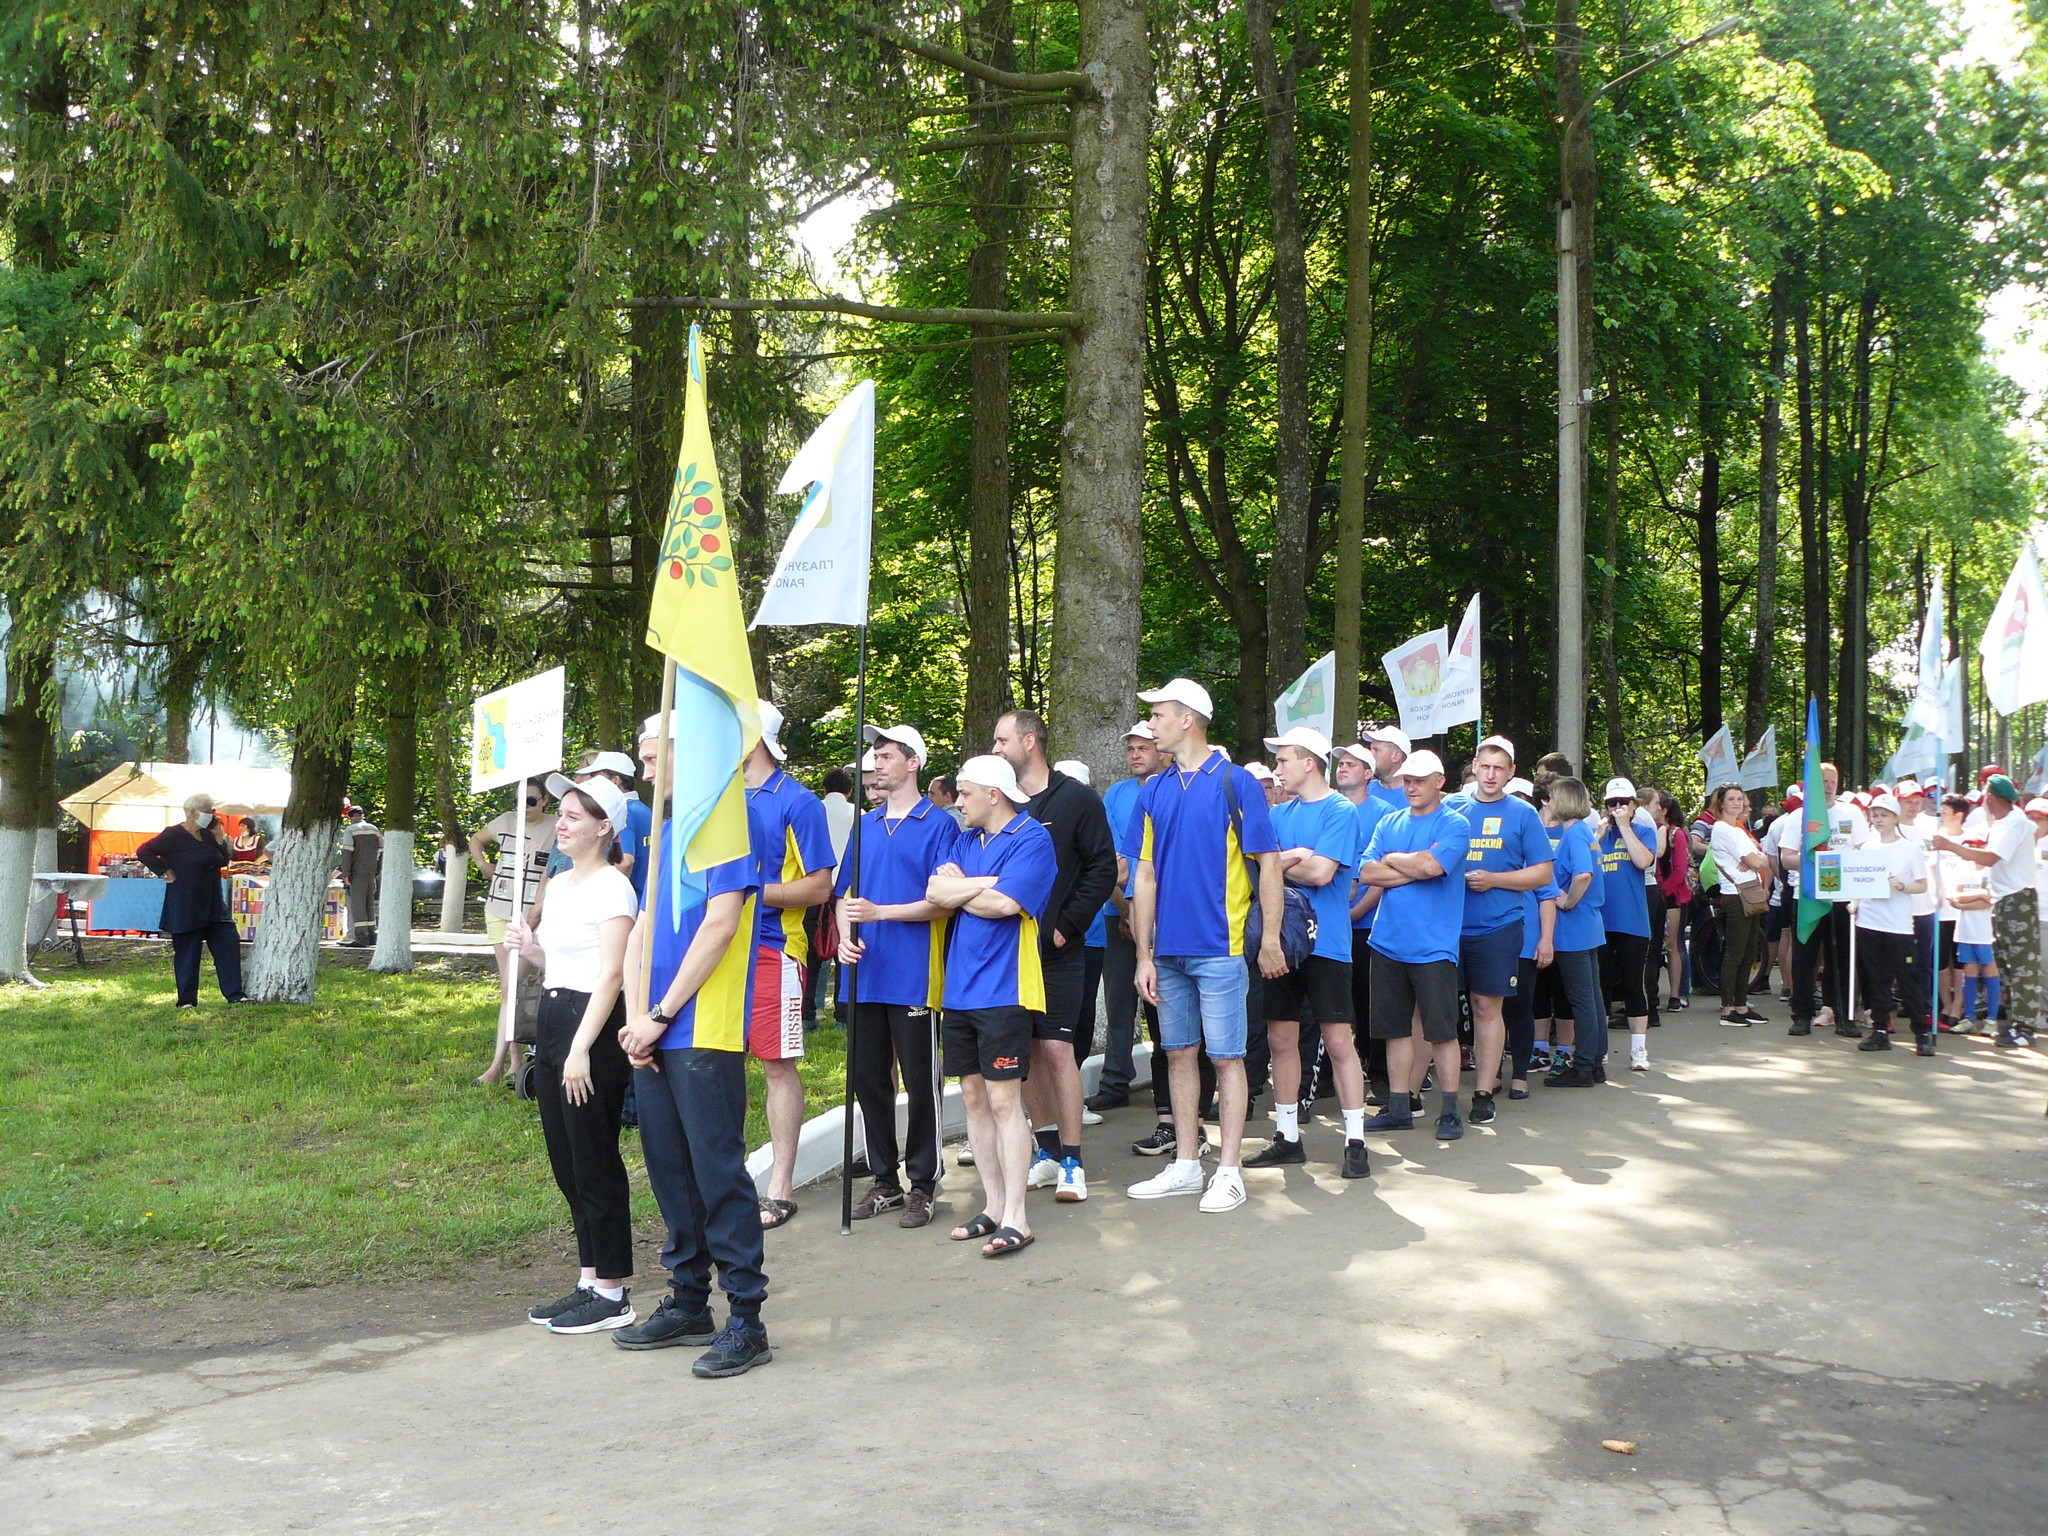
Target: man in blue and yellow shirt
686 1035
794 860
996 883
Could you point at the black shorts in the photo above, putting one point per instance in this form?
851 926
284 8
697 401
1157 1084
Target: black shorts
1945 942
1319 992
1066 986
1401 987
994 1043
1491 963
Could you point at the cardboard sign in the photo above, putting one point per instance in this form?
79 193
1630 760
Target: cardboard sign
516 733
1851 875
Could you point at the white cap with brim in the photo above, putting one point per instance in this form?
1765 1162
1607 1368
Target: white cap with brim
603 791
2038 806
1306 737
1887 802
1074 769
1393 736
991 772
908 737
612 762
1358 752
1618 789
771 730
1420 765
1260 771
1186 692
1142 731
1519 787
867 761
1496 741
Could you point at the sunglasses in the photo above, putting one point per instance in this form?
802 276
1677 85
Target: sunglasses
531 804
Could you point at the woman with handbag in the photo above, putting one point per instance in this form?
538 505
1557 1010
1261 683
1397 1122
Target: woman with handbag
1743 896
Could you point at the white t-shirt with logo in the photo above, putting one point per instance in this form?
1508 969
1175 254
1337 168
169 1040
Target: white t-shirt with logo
1905 863
578 907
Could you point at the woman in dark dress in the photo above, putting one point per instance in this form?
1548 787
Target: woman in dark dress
190 857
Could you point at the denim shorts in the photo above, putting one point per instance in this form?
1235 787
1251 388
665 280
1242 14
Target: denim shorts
1201 1002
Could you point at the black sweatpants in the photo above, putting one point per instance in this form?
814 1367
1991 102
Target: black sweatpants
1519 1014
1622 967
883 1033
1830 936
1121 1004
693 1130
583 1139
1889 970
1091 989
226 946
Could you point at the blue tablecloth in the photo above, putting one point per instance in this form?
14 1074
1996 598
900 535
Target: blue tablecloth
128 904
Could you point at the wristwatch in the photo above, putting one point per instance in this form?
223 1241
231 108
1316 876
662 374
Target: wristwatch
656 1016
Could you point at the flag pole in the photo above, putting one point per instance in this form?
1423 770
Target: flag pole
860 721
508 1003
661 767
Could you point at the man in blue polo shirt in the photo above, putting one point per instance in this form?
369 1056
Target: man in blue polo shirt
1199 830
1317 829
1509 856
793 850
1358 781
996 880
1415 862
890 958
686 1035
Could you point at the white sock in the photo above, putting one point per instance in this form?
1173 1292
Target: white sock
611 1293
1185 1164
1287 1121
1639 1045
1354 1125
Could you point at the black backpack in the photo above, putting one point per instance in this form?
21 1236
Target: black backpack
1297 915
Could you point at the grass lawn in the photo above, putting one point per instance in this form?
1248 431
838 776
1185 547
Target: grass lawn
267 1145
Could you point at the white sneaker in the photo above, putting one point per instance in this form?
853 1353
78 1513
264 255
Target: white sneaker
1639 1058
1825 1018
1073 1183
965 1156
1045 1171
1226 1192
1176 1178
1089 1117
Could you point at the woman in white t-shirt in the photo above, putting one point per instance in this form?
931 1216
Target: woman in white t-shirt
581 1071
1887 956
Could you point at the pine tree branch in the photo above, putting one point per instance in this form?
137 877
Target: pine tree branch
1011 80
1034 318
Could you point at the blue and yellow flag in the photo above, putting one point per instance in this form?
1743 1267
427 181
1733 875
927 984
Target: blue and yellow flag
695 619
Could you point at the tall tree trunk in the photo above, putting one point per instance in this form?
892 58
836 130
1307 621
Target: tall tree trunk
1287 573
455 859
989 568
1610 541
284 961
1813 536
1578 187
180 692
27 788
1823 498
1100 561
1712 643
1357 378
1756 703
1852 694
401 818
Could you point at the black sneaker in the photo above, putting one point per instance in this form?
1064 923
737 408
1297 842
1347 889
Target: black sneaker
1880 1040
548 1311
2008 1036
1448 1126
595 1314
1923 1042
1801 1027
1158 1144
1560 1076
1102 1103
1482 1107
1391 1120
671 1324
738 1349
1279 1153
1355 1165
1849 1030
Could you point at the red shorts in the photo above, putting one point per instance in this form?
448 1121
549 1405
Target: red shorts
775 1025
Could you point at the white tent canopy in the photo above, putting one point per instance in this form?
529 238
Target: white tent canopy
147 797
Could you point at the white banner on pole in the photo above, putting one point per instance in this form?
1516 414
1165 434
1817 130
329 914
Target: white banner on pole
1719 756
1457 701
1416 671
1760 769
2015 644
516 733
1312 701
822 574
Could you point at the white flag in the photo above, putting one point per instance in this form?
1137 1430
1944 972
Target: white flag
822 576
1311 701
2015 645
1719 756
1952 726
1416 670
1457 701
1760 769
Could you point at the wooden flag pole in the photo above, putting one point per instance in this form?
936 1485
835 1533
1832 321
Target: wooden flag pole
661 767
860 719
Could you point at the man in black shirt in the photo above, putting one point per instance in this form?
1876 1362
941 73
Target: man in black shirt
1073 814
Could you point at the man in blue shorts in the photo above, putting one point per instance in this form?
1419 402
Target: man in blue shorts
1197 832
1508 857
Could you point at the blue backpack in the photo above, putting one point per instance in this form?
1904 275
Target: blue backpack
1297 916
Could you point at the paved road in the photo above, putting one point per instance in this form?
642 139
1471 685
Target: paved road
1808 1283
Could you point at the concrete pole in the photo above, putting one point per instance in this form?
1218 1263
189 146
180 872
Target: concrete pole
1570 682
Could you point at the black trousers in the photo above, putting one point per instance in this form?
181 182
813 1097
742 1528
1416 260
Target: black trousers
583 1139
1121 1003
1519 1014
1091 989
1653 956
1830 936
1622 967
226 945
693 1130
883 1033
1372 1054
1888 966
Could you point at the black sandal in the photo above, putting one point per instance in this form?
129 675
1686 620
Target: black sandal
777 1212
982 1226
1006 1241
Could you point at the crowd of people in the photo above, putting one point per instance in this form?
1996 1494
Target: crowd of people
1340 922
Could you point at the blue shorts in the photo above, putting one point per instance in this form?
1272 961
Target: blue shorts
1201 1002
1975 954
1490 963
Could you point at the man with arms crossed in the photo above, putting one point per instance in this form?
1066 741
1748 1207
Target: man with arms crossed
1415 862
997 877
1195 833
1317 829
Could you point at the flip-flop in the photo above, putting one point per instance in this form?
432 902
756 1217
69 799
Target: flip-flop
982 1226
777 1212
1006 1241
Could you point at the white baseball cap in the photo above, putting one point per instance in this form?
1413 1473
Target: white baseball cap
1306 737
2038 806
867 761
1617 789
1420 765
1496 741
611 762
1183 691
651 727
1074 768
909 737
771 730
1393 736
1518 787
1143 731
1886 802
1260 771
1357 751
1906 789
603 791
991 772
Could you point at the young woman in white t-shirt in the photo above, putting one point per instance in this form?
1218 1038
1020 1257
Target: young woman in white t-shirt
1887 956
581 1071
